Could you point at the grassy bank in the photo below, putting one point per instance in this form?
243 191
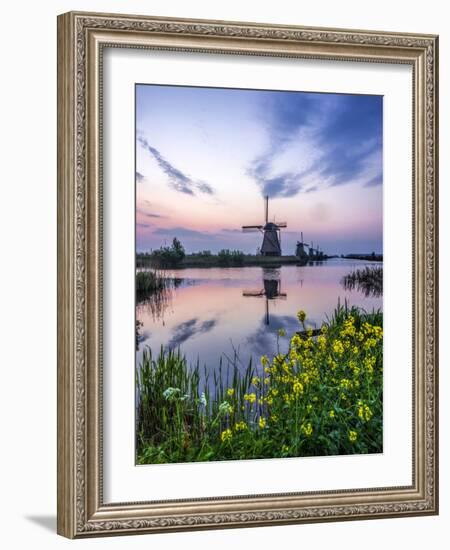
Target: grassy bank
324 397
224 260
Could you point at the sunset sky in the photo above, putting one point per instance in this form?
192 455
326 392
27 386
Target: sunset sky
206 157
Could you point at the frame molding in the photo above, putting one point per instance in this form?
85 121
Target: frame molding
81 37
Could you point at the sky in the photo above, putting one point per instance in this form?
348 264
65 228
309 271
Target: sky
206 157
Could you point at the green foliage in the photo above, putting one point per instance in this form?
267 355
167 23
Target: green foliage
168 256
229 258
323 397
202 254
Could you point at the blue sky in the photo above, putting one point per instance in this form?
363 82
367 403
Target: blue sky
205 158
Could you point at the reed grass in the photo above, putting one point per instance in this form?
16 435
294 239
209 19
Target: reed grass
150 281
369 280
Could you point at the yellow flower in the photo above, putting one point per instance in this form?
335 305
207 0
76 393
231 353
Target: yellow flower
284 449
331 414
281 332
307 429
301 316
230 392
226 435
364 411
262 422
309 407
369 363
240 426
349 328
346 384
338 347
378 332
298 388
352 435
274 418
322 341
250 397
288 398
264 361
256 380
369 343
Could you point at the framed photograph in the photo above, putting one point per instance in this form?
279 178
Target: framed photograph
247 274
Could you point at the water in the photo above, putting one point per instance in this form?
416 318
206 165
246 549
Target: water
216 312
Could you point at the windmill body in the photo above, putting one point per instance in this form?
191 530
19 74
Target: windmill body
271 245
271 241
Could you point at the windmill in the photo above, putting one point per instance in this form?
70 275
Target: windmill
270 291
300 251
271 245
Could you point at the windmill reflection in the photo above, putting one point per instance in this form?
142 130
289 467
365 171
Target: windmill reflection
271 289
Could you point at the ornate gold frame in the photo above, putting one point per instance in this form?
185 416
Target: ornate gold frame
81 37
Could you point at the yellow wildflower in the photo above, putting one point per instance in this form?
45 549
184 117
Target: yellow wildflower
262 422
240 426
369 343
369 363
298 388
226 435
250 397
301 316
322 341
338 347
346 384
364 411
352 435
230 392
256 380
378 332
331 414
307 429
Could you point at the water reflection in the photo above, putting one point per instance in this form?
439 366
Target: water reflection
212 314
188 329
157 301
271 279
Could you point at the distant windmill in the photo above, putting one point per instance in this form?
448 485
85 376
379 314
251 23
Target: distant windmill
300 251
271 290
271 245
